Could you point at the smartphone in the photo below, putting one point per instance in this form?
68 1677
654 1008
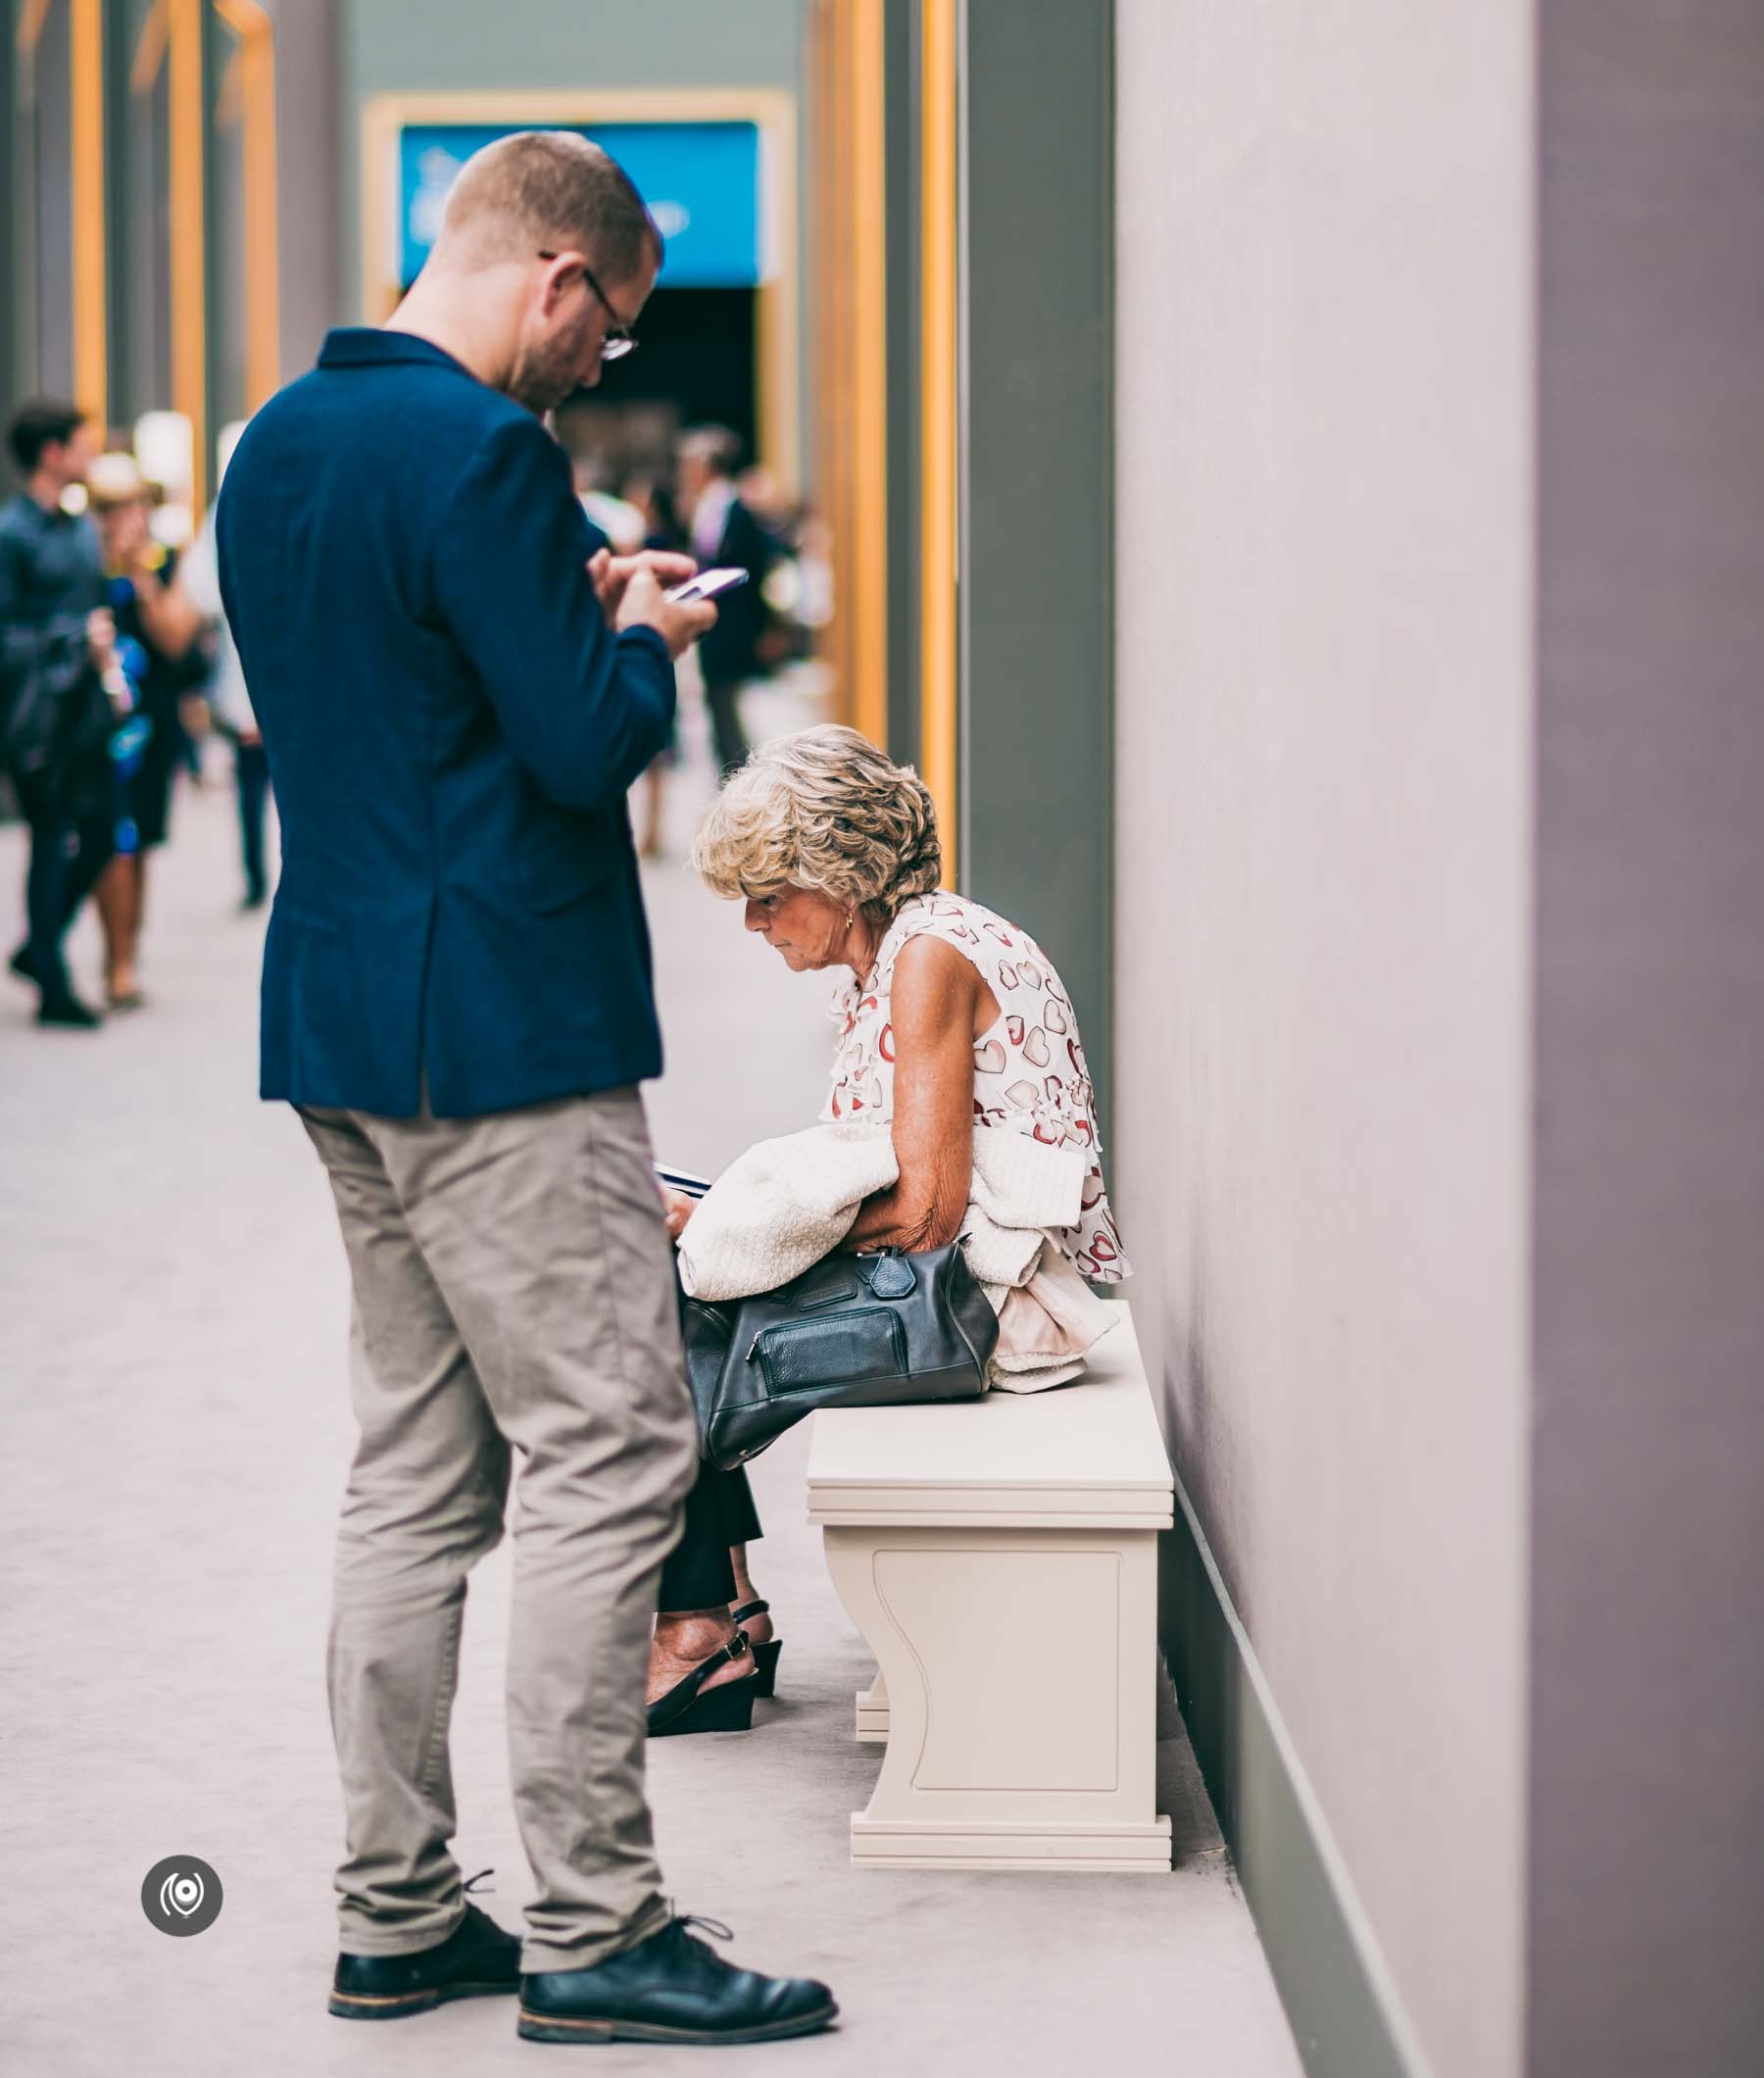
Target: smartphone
682 1181
706 584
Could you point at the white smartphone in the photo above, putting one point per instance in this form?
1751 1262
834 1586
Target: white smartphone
706 584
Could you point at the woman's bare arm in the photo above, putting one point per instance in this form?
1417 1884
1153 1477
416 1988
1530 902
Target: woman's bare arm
171 624
936 1003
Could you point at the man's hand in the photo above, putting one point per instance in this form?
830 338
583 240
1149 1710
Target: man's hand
101 638
610 575
678 1209
679 625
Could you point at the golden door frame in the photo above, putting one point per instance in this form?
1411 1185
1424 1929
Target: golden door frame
851 348
852 291
245 95
772 112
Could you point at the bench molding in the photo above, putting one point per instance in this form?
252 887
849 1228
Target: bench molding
1111 1850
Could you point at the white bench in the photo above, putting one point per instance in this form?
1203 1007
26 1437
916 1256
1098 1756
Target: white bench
1001 1559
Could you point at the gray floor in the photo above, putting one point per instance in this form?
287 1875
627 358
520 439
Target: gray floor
174 1434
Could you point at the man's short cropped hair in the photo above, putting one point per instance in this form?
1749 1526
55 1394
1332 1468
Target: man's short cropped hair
42 422
550 191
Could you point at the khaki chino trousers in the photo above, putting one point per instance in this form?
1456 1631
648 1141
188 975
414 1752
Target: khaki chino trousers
514 1291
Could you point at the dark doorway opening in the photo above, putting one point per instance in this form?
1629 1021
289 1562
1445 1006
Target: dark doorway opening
694 366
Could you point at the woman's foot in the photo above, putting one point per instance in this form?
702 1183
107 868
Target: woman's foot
684 1640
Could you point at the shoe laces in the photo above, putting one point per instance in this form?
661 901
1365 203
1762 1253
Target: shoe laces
686 1921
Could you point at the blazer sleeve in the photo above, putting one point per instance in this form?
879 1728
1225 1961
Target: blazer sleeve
586 709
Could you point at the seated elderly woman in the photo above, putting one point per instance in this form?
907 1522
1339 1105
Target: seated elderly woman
950 1019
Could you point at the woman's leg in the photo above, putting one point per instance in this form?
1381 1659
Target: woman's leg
119 901
696 1586
741 1524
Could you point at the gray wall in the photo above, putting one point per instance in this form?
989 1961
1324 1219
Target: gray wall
1037 490
1647 1645
1324 530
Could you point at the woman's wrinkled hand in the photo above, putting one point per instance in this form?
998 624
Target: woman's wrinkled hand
678 1209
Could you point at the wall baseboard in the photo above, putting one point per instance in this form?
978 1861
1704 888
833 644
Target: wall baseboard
1337 1993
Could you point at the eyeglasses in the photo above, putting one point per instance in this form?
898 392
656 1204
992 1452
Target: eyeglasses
618 342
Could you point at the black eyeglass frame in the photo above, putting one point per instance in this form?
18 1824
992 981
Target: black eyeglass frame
619 341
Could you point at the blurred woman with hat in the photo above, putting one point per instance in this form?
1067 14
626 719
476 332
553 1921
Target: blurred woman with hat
157 640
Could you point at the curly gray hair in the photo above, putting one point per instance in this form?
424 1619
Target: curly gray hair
824 809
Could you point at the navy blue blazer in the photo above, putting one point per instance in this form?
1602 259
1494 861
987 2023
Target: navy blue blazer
451 729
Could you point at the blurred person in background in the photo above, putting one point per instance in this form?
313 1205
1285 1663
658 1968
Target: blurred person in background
723 534
617 523
662 534
457 695
196 599
62 687
168 668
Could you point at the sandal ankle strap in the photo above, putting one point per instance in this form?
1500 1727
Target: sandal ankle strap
684 1693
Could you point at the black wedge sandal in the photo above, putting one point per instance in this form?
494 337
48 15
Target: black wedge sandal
690 1707
766 1653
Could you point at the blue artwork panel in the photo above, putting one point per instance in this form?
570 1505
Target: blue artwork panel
700 180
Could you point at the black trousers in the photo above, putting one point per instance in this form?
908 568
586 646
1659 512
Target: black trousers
251 770
728 738
719 1512
73 832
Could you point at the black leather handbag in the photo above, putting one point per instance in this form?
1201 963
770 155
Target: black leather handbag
880 1330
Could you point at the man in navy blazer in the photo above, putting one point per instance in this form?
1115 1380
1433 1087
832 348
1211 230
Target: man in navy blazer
455 691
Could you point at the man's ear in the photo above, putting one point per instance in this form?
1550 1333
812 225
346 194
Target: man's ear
562 274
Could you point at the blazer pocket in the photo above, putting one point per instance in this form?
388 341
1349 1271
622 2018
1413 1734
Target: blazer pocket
556 875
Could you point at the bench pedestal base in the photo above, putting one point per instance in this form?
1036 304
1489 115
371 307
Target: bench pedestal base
1016 1692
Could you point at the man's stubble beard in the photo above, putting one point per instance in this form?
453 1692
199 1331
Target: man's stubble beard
544 376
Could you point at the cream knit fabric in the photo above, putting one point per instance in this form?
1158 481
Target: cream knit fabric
778 1208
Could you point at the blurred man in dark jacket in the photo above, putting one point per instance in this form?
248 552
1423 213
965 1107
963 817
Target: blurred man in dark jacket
60 688
724 535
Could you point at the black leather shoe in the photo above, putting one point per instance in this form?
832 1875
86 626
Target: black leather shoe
476 1960
670 1987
